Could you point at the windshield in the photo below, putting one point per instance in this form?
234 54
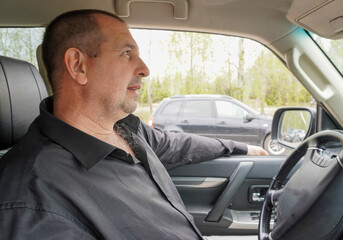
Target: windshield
332 48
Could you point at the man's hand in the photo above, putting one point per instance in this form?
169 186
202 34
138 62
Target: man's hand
256 150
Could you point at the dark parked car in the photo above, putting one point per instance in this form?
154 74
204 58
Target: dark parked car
217 116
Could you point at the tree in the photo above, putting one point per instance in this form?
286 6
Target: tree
272 83
240 70
223 83
189 56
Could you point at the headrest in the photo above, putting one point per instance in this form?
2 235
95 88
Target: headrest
21 91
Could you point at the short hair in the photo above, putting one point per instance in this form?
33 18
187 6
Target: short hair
78 29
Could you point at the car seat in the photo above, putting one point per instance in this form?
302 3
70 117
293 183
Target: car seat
21 90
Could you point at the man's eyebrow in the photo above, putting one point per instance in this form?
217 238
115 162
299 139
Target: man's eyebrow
133 47
120 47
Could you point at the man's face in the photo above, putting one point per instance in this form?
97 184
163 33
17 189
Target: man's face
115 75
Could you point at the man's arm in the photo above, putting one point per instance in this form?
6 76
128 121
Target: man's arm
176 149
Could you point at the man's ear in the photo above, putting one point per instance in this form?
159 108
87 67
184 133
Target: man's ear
75 63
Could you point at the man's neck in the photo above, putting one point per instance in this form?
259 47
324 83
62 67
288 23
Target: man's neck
97 127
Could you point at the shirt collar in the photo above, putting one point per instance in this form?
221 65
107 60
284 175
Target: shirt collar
132 122
86 148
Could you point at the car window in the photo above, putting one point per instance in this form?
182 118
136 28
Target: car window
190 63
197 109
332 48
227 109
171 109
183 63
21 43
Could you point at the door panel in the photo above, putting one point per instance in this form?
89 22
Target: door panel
167 117
225 195
230 123
238 130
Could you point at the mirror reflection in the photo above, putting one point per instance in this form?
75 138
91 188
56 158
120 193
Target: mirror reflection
294 126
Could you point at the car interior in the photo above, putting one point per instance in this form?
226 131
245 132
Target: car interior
298 196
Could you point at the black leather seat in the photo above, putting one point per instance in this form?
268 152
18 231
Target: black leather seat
21 90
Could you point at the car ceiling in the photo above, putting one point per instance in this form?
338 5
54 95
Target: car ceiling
263 20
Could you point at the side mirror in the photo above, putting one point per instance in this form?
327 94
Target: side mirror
248 117
291 125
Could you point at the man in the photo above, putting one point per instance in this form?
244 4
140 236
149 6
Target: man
78 176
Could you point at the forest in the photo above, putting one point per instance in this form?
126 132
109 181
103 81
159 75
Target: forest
212 64
195 63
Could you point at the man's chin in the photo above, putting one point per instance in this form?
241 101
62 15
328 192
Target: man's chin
129 107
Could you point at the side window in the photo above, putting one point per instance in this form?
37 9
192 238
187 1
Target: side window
21 43
227 109
172 108
197 109
191 63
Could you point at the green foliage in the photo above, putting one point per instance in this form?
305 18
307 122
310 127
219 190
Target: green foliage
158 91
186 49
335 51
272 83
267 81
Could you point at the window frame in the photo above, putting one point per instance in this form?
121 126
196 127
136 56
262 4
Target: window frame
233 103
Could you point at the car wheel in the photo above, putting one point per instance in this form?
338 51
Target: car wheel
271 147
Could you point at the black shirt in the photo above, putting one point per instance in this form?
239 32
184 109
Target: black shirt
61 183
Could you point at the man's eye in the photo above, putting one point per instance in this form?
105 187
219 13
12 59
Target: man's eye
128 52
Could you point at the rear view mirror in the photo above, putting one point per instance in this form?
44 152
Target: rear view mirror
292 125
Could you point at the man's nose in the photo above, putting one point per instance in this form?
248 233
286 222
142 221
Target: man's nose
142 70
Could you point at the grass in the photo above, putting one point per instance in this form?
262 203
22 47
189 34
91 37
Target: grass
143 111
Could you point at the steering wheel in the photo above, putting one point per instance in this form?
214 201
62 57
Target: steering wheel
308 206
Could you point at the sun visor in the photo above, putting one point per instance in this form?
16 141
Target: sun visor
322 17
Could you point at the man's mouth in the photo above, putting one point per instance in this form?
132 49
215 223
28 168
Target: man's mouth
134 88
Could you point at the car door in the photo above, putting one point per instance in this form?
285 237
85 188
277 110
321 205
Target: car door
225 195
197 117
231 123
167 117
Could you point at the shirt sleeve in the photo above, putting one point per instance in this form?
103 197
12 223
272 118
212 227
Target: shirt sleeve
176 149
25 223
